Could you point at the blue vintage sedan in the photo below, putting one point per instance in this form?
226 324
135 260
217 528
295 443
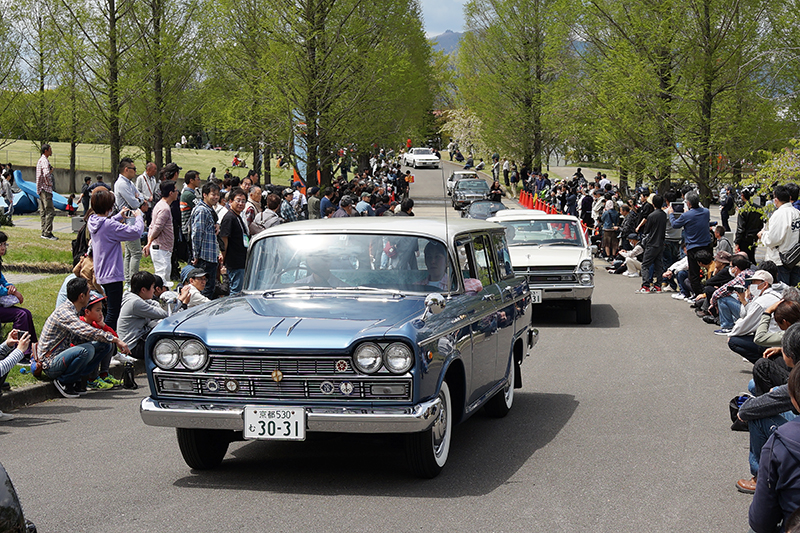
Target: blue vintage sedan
362 325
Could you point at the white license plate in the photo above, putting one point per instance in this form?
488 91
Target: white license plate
274 423
536 296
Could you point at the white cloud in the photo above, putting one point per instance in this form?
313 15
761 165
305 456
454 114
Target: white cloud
441 15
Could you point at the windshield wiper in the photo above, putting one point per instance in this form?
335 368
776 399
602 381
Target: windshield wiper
394 292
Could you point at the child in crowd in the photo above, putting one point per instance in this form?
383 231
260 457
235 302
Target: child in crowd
70 208
93 315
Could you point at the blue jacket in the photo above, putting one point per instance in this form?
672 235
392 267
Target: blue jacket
695 224
778 486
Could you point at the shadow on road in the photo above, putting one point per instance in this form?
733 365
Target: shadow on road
485 453
603 316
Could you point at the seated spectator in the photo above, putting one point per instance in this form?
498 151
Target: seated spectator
767 412
704 260
92 314
777 494
718 275
723 243
12 351
11 299
633 258
139 313
70 349
728 299
676 275
771 371
758 297
194 283
159 287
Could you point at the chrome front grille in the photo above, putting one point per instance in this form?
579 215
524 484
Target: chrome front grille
553 275
253 378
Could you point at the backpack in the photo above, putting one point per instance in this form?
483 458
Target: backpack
80 245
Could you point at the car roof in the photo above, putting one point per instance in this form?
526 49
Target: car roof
464 173
441 229
530 214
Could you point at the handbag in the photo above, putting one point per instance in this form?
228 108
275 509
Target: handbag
390 250
790 257
736 402
128 377
8 300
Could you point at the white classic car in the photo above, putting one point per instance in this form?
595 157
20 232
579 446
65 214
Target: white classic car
553 253
420 157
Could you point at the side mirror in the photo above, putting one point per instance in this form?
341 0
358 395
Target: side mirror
593 249
434 304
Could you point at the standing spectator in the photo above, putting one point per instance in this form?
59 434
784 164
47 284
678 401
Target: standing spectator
213 176
203 223
723 243
235 240
363 207
783 232
252 207
268 217
695 222
495 192
655 229
146 185
107 233
160 237
326 201
313 203
506 169
189 199
86 194
128 197
299 201
345 209
727 208
288 214
180 248
748 226
69 348
44 188
610 219
8 195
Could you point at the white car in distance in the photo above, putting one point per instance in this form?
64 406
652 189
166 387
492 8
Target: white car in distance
420 157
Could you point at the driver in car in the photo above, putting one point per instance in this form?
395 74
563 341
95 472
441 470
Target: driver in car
436 263
320 275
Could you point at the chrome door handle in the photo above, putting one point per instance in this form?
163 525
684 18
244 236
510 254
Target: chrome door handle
487 297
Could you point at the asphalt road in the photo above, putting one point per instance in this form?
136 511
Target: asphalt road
621 426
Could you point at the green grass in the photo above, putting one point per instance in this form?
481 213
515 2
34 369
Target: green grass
15 379
97 158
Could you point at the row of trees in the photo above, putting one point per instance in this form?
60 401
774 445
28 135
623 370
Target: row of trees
254 73
694 87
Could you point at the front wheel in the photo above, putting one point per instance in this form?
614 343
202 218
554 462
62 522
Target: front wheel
500 404
203 449
428 450
583 311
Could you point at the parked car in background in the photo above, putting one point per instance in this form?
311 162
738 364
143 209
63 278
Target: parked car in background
459 175
553 254
467 191
12 519
421 157
352 325
482 209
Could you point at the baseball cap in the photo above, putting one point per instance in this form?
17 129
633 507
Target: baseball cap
95 297
633 236
287 190
761 275
195 273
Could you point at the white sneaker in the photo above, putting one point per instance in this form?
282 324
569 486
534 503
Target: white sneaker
5 417
122 358
678 296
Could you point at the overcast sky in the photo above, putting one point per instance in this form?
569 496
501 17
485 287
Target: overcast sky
441 15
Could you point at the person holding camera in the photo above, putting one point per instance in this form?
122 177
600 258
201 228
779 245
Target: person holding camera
128 197
729 298
759 296
107 234
695 223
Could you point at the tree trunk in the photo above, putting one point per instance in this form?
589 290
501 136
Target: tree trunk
158 125
267 165
113 89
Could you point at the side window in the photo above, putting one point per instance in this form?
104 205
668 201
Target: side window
464 257
484 259
503 257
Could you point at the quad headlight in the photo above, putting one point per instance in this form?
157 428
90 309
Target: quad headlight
368 358
398 358
166 354
194 355
586 265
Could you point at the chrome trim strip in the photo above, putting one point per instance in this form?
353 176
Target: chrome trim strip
333 419
273 328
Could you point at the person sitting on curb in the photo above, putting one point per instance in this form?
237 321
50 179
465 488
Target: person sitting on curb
759 296
93 315
140 313
633 258
763 414
70 348
12 352
777 493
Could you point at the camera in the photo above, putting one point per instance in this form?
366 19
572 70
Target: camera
739 288
677 207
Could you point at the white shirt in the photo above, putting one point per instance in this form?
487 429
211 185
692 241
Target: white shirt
783 232
147 187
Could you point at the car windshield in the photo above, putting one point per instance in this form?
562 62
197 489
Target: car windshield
472 185
423 151
542 232
343 261
486 208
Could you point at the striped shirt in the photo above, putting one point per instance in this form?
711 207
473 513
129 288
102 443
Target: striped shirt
44 175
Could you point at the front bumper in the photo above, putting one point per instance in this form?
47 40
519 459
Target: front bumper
564 292
208 415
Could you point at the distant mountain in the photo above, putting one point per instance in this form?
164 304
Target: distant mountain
446 42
